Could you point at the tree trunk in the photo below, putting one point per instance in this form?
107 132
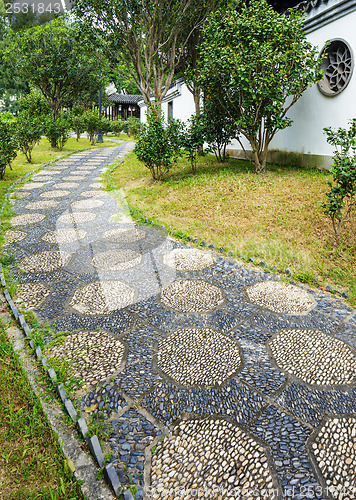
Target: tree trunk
196 95
259 167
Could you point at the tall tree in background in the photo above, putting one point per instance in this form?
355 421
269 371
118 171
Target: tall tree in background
147 35
189 60
13 85
256 64
57 61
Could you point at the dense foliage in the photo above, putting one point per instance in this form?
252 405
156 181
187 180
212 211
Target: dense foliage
8 143
341 199
57 60
158 146
256 64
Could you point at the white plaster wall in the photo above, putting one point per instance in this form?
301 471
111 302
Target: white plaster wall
311 113
183 105
314 111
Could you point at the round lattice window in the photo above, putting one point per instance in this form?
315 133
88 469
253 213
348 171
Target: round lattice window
337 63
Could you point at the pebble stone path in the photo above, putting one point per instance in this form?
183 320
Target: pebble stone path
216 380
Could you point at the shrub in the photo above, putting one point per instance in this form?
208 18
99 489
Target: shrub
57 132
117 126
132 126
28 132
193 139
76 120
157 146
8 144
106 126
92 122
341 199
34 104
219 129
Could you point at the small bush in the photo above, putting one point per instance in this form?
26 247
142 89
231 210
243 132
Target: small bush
75 117
132 126
92 122
193 139
57 132
158 146
341 199
106 126
117 126
28 132
8 143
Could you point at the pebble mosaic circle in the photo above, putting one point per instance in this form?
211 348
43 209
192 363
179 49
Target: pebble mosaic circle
13 236
76 218
124 235
43 178
65 185
64 235
25 219
334 450
198 357
74 177
210 454
38 205
55 194
20 194
192 296
188 260
87 204
33 185
280 297
31 295
45 262
102 297
94 192
116 260
314 357
95 355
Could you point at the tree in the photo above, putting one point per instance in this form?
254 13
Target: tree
56 60
256 64
147 35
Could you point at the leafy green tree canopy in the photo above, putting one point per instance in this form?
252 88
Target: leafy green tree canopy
55 59
148 36
256 64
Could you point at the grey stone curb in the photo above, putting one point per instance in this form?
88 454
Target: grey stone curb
93 441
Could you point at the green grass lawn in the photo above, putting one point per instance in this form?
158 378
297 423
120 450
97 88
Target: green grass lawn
276 217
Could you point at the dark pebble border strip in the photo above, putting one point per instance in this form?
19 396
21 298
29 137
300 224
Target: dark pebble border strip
92 442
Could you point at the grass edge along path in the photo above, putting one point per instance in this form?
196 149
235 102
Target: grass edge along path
32 464
276 218
29 484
